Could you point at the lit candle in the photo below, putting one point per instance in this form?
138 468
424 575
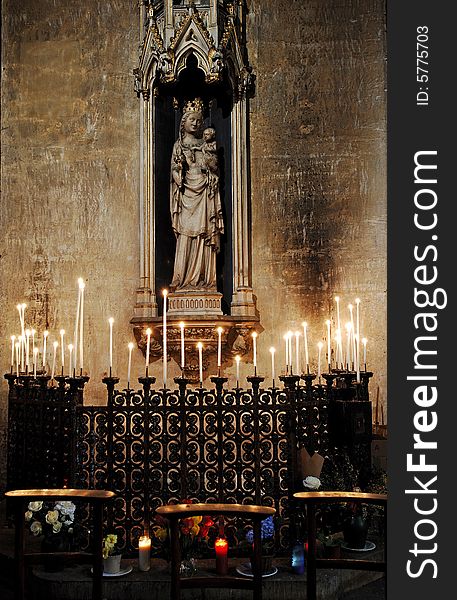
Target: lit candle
219 347
33 332
81 327
200 362
183 358
254 350
237 361
364 342
45 337
305 341
357 302
164 334
13 345
21 351
62 348
56 344
348 345
22 317
221 547
111 323
148 348
339 348
130 347
76 330
17 348
287 353
272 352
70 350
35 358
289 343
353 335
319 345
27 347
329 346
144 553
297 351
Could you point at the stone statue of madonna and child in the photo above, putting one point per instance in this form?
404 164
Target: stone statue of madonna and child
195 204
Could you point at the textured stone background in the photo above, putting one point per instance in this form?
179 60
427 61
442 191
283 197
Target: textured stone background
70 171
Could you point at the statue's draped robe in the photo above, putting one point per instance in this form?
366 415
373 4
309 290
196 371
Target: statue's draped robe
196 216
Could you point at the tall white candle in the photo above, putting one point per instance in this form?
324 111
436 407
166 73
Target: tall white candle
319 346
148 346
237 361
45 338
17 348
289 342
329 345
27 347
35 360
348 345
21 351
130 347
55 344
62 348
81 326
111 323
297 351
353 334
183 348
33 332
305 341
164 334
219 346
254 349
13 343
144 550
339 349
287 352
200 362
364 342
23 306
76 330
272 352
70 358
357 321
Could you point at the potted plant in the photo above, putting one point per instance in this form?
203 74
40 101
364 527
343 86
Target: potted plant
55 522
331 545
111 555
267 532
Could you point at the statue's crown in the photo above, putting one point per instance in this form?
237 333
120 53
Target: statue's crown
195 105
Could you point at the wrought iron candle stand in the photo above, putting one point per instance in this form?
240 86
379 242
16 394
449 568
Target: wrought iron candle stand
155 446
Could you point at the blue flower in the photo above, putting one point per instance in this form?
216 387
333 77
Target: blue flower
267 530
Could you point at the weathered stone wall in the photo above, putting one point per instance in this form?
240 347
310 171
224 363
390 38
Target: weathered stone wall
70 171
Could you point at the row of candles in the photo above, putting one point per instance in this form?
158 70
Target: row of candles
220 546
296 360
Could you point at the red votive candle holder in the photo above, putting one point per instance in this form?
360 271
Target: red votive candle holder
221 547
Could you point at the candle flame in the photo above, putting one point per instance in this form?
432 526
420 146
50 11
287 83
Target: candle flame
237 358
272 350
320 345
111 320
348 327
199 345
62 332
350 307
304 324
297 334
219 330
364 341
357 300
337 298
181 324
35 351
327 322
55 344
164 293
13 337
81 283
130 345
45 333
70 347
148 331
23 306
27 332
254 334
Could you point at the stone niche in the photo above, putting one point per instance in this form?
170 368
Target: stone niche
193 58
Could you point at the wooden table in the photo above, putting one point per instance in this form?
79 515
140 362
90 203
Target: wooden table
311 499
255 513
21 498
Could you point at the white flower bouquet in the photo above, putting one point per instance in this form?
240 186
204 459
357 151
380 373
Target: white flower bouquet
53 520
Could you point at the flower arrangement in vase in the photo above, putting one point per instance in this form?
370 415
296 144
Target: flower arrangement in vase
111 555
267 532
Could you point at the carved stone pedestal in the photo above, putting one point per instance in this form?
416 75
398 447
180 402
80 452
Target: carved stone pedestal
194 304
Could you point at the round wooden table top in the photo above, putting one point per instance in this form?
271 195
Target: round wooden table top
180 510
56 494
